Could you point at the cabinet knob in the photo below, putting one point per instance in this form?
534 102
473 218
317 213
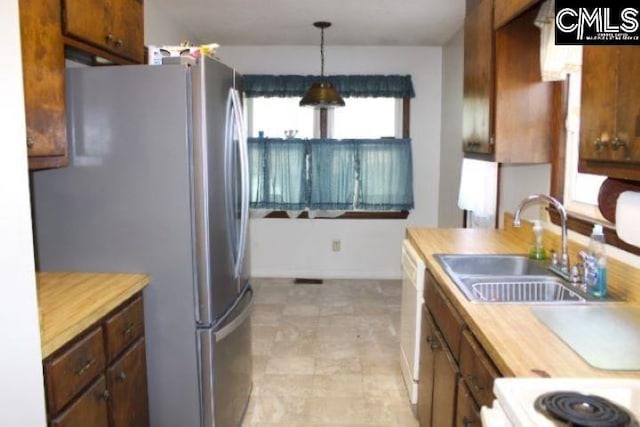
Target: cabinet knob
119 43
129 329
104 395
30 142
600 144
109 38
122 377
621 143
466 421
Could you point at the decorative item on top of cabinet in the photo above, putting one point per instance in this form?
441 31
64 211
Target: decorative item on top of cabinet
43 76
100 378
609 111
507 109
112 29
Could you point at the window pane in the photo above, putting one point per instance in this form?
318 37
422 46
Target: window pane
365 118
275 115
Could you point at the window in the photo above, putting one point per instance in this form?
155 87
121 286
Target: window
360 118
366 118
274 116
581 189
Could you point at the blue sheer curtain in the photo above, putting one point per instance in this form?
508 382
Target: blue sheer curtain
278 170
333 174
329 174
385 175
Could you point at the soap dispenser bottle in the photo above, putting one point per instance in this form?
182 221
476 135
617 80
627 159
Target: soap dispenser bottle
537 247
597 286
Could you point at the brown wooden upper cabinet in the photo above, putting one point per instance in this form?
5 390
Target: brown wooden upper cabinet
43 77
506 10
110 26
610 112
507 109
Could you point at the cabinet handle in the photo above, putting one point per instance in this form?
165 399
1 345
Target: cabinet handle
473 381
600 144
466 421
104 395
129 329
119 43
109 38
620 143
122 377
30 142
85 367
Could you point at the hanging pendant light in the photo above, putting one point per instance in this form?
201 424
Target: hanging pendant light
322 94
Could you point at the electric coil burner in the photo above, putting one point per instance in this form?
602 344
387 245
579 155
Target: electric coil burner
583 410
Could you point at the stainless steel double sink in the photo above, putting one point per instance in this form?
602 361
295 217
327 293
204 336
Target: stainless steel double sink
508 279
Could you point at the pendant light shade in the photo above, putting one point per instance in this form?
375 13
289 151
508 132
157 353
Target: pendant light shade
322 94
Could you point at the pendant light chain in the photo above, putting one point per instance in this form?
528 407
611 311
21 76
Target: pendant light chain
321 52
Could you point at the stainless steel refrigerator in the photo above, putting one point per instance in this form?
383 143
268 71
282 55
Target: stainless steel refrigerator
158 183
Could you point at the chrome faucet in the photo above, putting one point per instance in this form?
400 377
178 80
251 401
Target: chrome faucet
563 267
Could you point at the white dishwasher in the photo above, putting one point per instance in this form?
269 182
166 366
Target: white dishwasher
413 270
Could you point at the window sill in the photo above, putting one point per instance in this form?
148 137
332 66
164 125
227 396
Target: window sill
346 215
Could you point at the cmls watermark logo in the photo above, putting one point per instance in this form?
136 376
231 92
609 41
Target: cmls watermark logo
598 23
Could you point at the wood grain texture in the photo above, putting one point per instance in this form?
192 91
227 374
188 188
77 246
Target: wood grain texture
477 370
90 409
69 303
517 343
43 75
523 102
467 412
428 346
445 382
127 380
124 327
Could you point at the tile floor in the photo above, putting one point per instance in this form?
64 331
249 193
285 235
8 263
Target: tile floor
327 355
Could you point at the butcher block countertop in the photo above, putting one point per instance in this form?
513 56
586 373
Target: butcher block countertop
69 303
518 343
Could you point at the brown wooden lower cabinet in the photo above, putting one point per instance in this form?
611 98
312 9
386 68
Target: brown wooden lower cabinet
89 409
83 390
456 375
467 412
127 380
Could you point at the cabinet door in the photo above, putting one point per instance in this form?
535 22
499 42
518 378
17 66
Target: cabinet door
127 380
467 412
445 381
626 143
127 28
478 79
87 20
429 344
598 102
90 409
43 74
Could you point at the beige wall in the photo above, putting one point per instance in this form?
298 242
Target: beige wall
451 139
21 381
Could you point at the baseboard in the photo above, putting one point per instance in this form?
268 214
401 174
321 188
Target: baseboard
327 274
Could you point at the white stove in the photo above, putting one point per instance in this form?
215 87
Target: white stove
516 400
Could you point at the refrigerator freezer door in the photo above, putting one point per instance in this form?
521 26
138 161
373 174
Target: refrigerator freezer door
226 366
214 234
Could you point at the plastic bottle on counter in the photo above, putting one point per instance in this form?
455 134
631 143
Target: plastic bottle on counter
598 285
537 246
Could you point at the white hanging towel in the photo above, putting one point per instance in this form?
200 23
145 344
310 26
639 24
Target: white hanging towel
478 187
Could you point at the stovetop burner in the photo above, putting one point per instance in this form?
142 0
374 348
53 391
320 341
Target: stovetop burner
582 410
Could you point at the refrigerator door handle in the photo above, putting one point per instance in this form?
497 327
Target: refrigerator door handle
234 324
244 180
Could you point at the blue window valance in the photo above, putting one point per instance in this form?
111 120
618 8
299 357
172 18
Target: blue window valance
357 86
329 174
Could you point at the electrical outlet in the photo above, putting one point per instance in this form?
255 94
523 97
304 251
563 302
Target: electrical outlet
335 245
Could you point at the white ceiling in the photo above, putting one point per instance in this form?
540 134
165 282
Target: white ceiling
289 22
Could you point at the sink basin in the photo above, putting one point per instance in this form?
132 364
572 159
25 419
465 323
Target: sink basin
496 265
513 279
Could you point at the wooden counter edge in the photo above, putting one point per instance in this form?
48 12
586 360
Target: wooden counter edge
50 345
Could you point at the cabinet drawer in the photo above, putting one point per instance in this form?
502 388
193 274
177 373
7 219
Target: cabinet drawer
90 409
477 370
124 327
445 315
69 372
